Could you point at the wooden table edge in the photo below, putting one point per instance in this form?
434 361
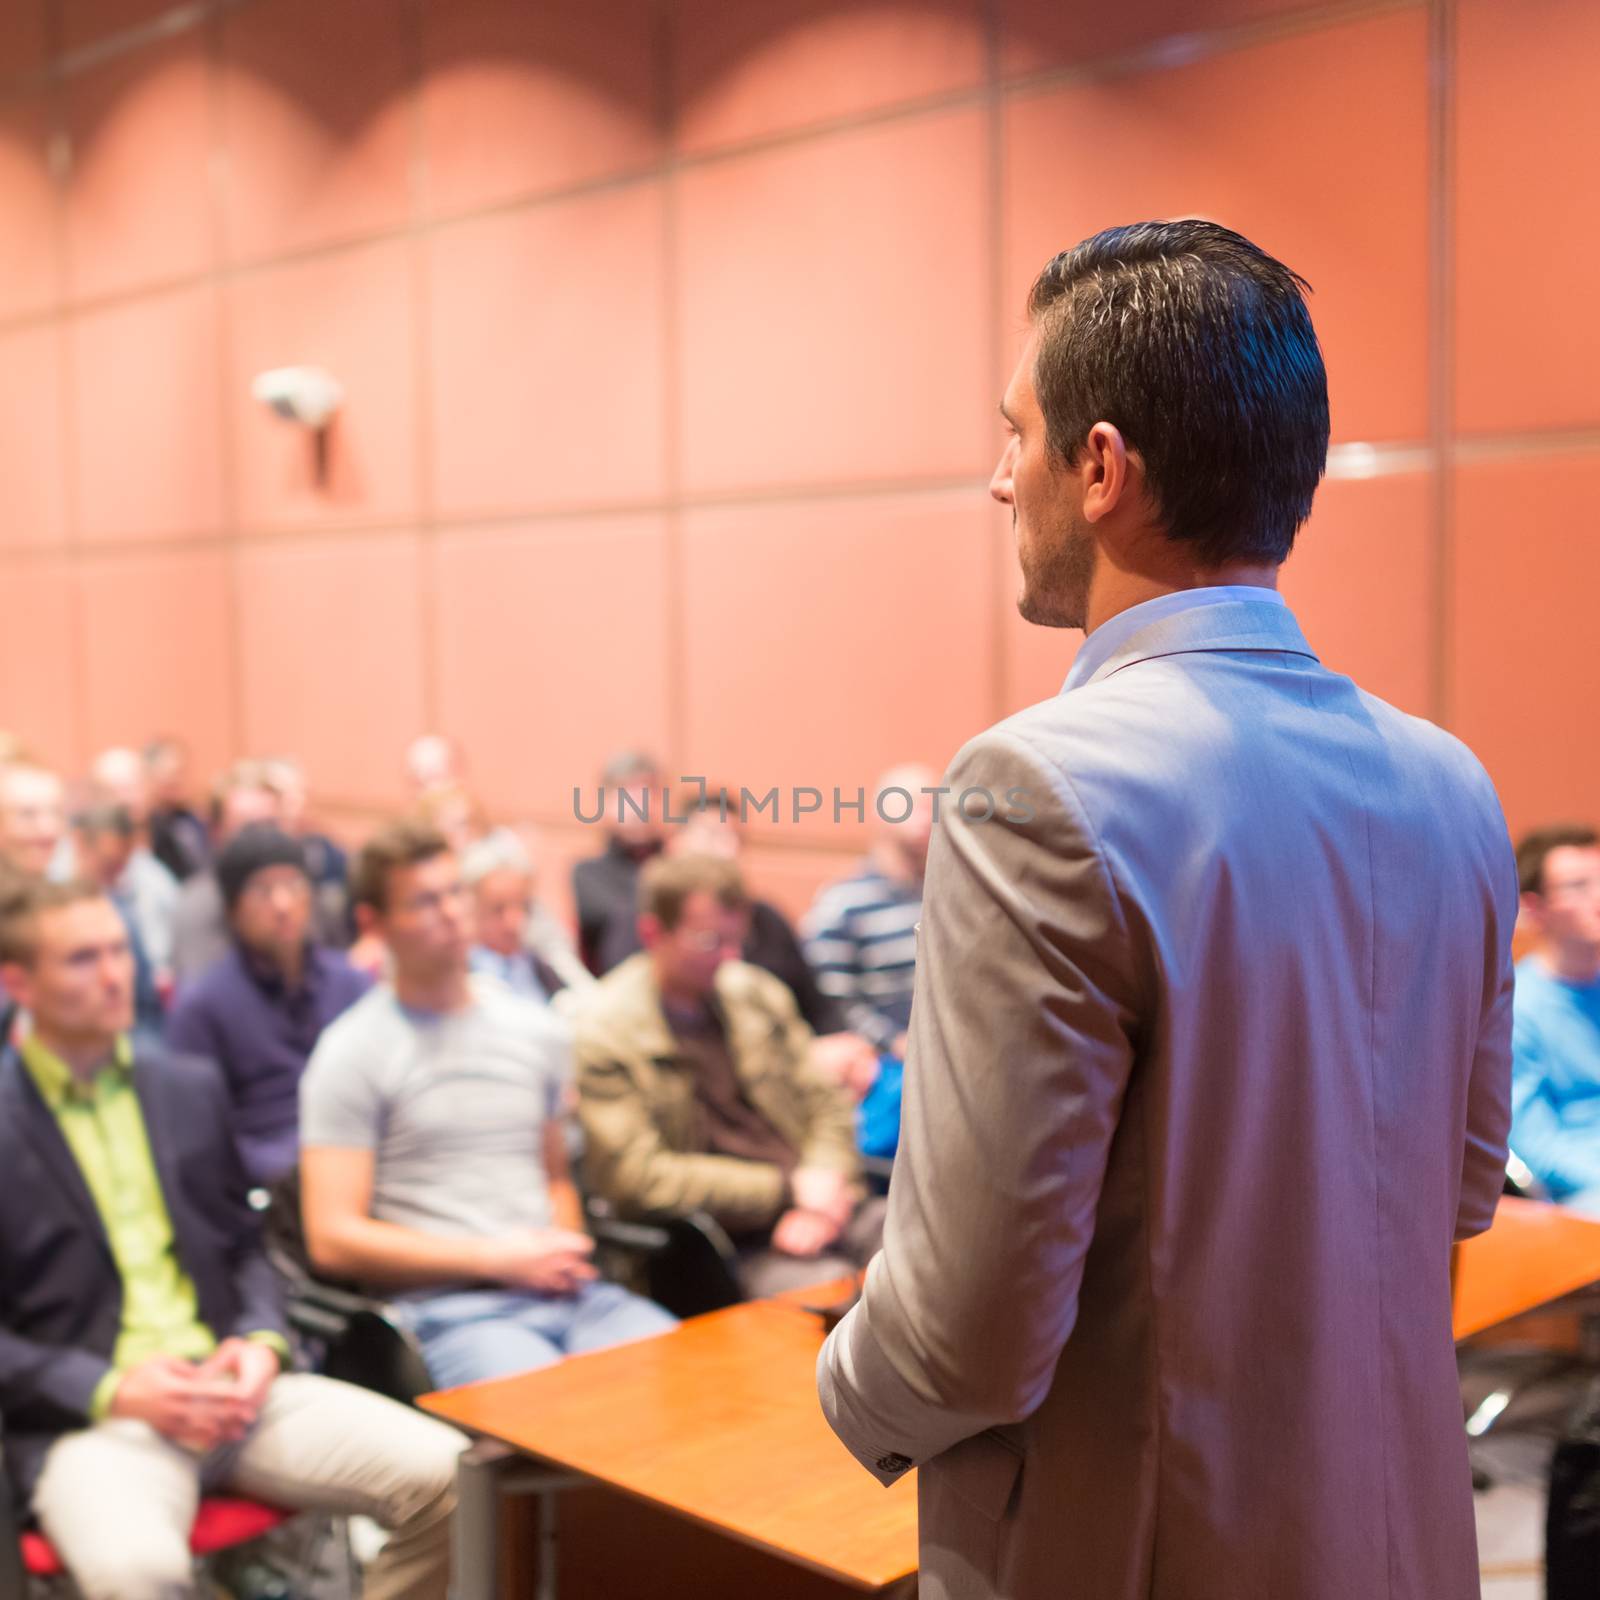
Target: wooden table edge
853 1580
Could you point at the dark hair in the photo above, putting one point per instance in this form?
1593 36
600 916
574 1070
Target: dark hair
1198 347
667 882
406 843
1533 849
23 900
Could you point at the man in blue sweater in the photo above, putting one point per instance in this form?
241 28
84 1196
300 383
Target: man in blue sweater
259 1011
1555 1124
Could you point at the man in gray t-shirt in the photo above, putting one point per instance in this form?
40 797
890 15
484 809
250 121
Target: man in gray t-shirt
433 1156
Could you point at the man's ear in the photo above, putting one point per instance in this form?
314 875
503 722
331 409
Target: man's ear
1530 909
1103 470
650 929
18 982
368 921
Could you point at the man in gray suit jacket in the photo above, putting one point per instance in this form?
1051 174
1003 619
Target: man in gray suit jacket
1209 1057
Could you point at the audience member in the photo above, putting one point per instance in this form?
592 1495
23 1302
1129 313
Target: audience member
860 935
697 1090
147 891
326 861
513 943
103 844
1555 1038
259 1011
712 829
178 836
434 761
248 792
433 1161
33 818
239 797
141 1335
606 887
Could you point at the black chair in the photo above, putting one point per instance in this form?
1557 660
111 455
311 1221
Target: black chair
13 1575
688 1265
345 1332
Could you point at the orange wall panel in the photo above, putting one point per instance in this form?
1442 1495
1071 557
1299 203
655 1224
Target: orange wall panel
518 99
552 653
1315 147
25 39
139 200
317 123
1522 645
33 462
828 640
826 335
671 338
40 682
147 421
547 350
158 652
764 66
28 266
1360 581
1527 234
330 658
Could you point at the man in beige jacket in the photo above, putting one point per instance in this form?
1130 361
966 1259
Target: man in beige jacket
1209 1056
697 1090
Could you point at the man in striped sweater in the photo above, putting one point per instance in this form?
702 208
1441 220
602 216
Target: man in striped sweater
860 934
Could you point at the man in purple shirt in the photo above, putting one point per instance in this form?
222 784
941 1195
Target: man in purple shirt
259 1010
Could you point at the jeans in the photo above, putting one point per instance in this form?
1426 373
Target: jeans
471 1334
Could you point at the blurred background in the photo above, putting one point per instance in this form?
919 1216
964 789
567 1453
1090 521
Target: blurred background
670 337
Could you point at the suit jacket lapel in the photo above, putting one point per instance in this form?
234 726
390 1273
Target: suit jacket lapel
45 1137
158 1126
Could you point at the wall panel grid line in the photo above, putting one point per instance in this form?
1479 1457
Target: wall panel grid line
694 521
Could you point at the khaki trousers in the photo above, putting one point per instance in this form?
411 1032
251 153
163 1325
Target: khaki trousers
117 1499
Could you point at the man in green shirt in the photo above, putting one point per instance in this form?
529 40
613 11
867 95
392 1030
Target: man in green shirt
141 1335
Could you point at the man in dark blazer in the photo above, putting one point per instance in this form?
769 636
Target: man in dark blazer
141 1333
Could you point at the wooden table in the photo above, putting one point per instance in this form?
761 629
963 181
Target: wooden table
717 1420
1535 1253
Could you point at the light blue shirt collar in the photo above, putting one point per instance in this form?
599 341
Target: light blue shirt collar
1099 646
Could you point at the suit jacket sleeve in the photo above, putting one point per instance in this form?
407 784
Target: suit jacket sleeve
66 1377
1020 1053
1483 1167
255 1284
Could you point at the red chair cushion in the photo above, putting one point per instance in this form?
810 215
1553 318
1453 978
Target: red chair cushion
220 1523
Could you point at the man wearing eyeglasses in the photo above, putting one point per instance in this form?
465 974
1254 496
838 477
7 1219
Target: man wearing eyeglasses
1555 1039
433 1146
698 1090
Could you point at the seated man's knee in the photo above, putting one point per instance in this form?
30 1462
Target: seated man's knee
163 1571
425 1493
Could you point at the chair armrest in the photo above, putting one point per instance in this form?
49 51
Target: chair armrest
13 1576
645 1238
